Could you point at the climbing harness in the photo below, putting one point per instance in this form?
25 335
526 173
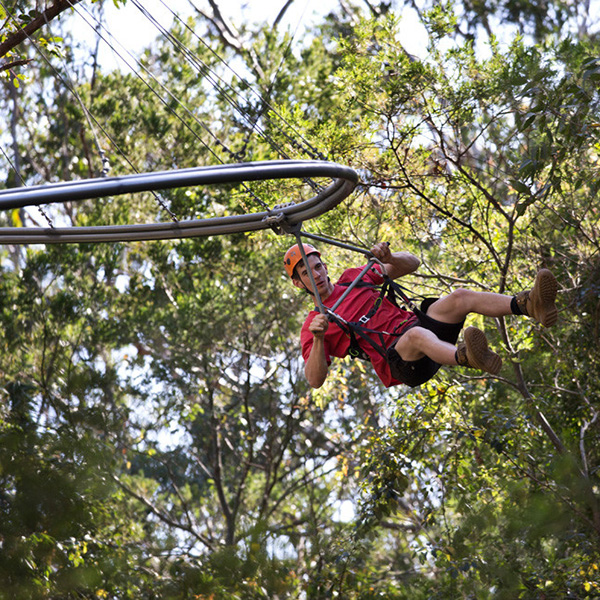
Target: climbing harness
358 330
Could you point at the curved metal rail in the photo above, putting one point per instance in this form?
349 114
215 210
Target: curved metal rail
345 180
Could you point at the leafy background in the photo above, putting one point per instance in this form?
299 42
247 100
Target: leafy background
157 436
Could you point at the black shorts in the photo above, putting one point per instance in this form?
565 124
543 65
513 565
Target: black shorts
416 372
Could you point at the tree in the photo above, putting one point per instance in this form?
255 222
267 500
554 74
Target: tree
158 388
19 27
466 153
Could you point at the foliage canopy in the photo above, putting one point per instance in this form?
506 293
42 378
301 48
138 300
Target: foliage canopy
157 436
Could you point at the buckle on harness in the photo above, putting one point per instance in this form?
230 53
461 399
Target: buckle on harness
364 319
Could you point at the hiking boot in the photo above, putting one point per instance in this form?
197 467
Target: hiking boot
539 302
474 352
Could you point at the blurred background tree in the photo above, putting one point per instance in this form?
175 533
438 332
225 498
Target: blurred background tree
158 437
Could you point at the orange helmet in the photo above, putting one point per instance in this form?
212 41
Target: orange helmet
293 256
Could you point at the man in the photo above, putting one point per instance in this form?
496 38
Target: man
415 343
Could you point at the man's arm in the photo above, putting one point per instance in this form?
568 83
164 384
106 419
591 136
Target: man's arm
316 368
396 264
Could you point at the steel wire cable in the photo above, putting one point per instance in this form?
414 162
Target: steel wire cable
214 78
89 116
17 173
153 77
309 148
204 69
173 97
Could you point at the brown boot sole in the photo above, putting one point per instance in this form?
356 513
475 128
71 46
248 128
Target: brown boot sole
543 298
478 353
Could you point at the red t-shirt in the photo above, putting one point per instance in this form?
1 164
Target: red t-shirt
360 300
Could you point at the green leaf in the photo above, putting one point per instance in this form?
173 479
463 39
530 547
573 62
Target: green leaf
520 187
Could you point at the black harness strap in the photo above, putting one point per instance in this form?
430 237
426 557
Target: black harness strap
356 329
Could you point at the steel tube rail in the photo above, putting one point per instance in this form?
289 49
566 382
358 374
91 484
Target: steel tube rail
369 264
344 182
311 276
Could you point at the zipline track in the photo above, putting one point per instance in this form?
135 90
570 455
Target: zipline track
344 182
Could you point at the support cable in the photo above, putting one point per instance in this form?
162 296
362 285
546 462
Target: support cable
264 105
308 148
67 83
204 69
172 96
164 102
71 87
24 184
213 78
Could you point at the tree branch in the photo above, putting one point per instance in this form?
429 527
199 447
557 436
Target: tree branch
14 63
13 40
162 515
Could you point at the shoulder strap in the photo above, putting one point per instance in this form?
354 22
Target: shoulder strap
389 287
356 330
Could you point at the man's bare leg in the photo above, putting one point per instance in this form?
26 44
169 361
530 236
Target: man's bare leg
538 303
474 352
454 307
418 342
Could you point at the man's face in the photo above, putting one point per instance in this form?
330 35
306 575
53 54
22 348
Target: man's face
319 271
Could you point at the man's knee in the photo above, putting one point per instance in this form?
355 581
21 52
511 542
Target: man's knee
410 345
453 307
461 297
